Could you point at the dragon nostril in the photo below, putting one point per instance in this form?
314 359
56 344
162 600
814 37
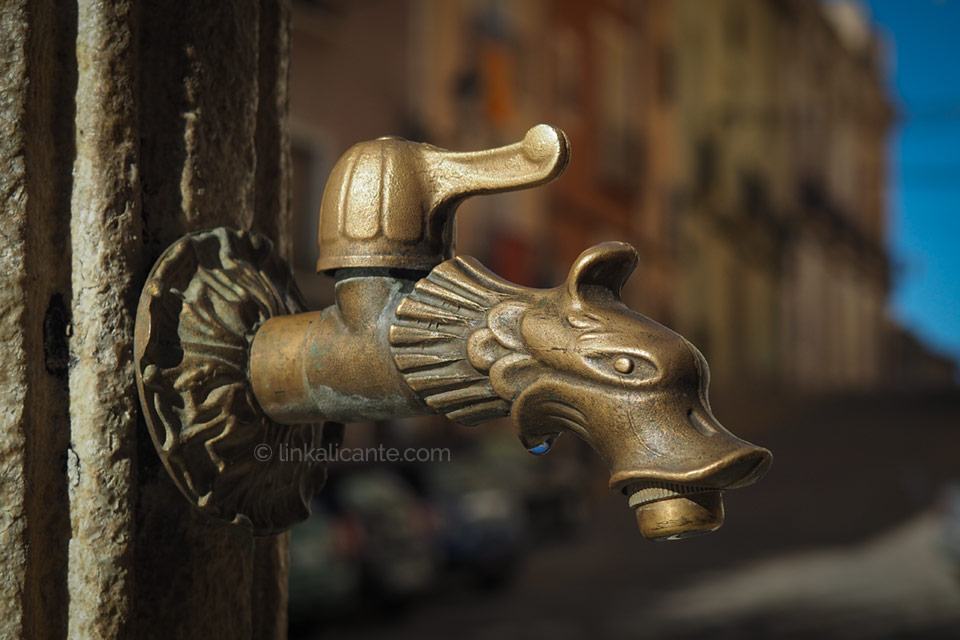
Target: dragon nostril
703 426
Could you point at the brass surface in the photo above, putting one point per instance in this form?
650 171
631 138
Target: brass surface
334 364
465 343
198 312
476 347
391 202
681 517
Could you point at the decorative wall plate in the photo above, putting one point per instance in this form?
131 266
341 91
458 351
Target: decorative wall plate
201 306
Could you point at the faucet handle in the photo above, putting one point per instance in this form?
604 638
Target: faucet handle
390 203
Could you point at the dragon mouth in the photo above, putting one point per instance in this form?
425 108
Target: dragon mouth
738 468
671 510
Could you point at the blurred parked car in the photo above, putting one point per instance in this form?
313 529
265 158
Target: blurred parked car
396 556
369 545
555 502
483 529
552 486
325 576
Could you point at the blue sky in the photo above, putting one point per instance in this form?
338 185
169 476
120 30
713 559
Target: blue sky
924 197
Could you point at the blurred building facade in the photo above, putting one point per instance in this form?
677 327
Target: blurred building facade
739 145
784 129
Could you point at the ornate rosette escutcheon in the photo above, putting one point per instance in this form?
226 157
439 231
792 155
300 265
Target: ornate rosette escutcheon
200 308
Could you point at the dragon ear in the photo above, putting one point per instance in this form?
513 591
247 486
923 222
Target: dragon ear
602 268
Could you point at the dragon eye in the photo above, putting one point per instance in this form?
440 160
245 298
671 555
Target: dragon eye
622 367
630 365
623 364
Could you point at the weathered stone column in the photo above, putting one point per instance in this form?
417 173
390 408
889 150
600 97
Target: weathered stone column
124 125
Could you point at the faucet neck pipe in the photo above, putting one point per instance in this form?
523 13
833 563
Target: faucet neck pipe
334 364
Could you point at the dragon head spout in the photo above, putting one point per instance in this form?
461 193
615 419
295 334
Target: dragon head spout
633 389
576 358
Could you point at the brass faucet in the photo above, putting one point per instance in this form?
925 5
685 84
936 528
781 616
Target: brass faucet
416 330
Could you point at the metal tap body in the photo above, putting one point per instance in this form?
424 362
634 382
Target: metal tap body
228 361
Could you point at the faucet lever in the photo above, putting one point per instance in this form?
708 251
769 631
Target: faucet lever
540 157
391 202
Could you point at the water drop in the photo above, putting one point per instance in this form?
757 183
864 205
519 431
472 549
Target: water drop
544 446
541 448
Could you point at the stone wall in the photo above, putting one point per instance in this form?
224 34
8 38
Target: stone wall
124 125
